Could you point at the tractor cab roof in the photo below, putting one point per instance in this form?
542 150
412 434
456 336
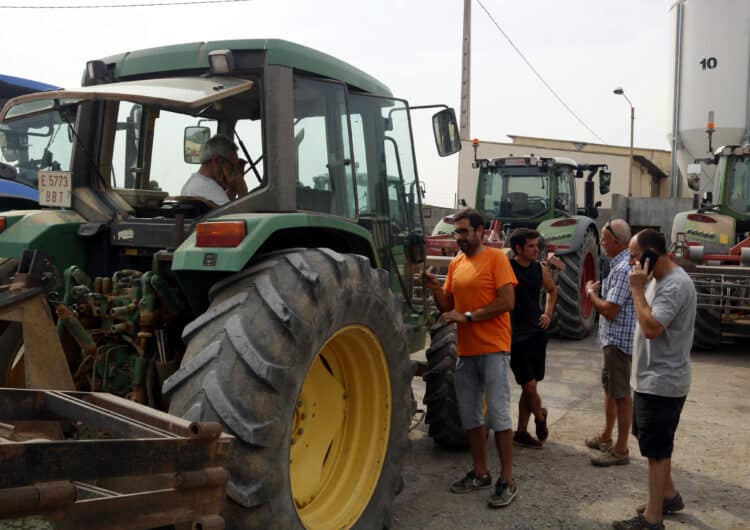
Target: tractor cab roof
531 160
187 93
248 52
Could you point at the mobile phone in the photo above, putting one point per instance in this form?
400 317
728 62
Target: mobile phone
651 256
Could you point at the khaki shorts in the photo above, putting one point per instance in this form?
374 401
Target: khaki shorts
616 372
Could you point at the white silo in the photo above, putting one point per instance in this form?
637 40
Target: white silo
710 70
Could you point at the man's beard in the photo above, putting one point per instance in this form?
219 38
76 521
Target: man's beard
467 247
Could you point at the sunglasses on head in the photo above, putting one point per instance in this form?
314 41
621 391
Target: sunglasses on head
607 226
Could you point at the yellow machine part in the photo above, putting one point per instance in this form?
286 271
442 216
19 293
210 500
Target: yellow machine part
341 429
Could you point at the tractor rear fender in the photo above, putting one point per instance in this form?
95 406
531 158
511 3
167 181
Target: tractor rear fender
714 231
54 232
566 233
198 268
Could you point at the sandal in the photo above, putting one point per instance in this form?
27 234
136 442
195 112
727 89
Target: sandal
542 432
597 443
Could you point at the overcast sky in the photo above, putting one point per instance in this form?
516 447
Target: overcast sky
583 48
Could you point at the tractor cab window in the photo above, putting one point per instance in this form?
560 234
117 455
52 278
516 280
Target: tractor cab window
739 184
150 150
565 199
514 192
39 142
325 179
387 185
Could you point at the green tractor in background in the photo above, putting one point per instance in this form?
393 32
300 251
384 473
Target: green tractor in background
714 240
539 193
286 315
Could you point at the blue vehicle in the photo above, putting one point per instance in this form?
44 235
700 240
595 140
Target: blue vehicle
17 151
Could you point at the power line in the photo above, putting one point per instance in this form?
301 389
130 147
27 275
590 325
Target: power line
106 6
531 66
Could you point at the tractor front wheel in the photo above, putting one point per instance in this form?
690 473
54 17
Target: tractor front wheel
303 358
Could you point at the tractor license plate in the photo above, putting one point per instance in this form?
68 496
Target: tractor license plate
55 188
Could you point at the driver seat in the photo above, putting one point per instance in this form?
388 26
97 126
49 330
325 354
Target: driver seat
519 202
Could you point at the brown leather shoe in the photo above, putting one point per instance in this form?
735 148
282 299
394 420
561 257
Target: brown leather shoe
524 439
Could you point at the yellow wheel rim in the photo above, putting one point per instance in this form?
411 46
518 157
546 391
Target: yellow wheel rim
340 432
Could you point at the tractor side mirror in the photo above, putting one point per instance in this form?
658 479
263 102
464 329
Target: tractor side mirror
445 129
694 176
605 178
194 139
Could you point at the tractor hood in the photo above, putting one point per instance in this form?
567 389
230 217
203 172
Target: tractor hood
174 92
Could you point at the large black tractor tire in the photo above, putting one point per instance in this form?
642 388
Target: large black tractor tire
575 314
440 393
11 333
303 358
707 331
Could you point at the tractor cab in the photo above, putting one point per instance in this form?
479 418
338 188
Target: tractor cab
526 191
720 225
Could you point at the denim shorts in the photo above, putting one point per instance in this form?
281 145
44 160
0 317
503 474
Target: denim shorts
480 376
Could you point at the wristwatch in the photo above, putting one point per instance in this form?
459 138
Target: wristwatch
468 316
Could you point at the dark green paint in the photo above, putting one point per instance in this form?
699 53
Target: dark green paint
191 56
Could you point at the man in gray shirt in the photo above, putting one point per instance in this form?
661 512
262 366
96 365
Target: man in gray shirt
665 303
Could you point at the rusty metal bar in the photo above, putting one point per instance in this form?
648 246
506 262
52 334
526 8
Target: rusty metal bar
203 478
24 463
148 509
205 430
66 406
31 499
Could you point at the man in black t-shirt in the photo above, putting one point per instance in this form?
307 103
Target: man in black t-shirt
529 341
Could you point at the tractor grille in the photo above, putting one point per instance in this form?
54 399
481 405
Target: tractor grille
724 292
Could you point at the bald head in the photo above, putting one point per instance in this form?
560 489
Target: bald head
620 229
615 237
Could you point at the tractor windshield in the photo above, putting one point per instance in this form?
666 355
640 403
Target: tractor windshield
739 184
35 143
148 129
513 192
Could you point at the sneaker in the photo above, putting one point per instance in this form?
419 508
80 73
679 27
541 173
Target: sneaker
471 483
524 439
668 506
542 432
610 458
637 523
597 443
504 494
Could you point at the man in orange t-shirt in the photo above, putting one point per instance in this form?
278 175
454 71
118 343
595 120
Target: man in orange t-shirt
478 296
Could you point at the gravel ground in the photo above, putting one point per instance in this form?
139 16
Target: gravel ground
559 488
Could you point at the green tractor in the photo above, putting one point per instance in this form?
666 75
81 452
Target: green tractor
286 315
540 193
512 192
715 240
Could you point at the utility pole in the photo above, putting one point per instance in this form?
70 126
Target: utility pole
466 75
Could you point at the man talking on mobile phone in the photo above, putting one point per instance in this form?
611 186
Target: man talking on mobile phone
665 303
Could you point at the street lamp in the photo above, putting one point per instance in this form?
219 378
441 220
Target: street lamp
620 92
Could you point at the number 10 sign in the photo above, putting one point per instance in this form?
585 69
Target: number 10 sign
55 188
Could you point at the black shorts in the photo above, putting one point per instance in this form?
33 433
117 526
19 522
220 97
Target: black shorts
527 358
655 420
